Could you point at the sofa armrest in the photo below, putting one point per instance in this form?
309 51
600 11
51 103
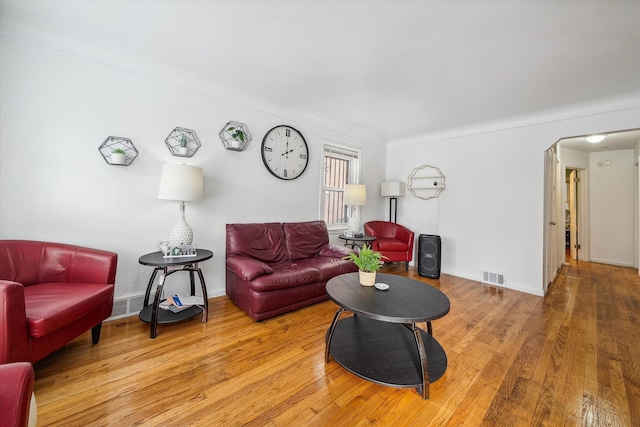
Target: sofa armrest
247 268
335 251
14 330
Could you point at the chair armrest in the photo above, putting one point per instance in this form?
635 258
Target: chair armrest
16 390
14 330
247 268
406 235
93 266
370 231
335 251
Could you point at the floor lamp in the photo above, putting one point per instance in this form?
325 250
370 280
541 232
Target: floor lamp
393 190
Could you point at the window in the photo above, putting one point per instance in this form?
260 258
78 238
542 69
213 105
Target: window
341 165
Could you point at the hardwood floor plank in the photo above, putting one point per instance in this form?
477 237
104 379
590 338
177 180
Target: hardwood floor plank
515 359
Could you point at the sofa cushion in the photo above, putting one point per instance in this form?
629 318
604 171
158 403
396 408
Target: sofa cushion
50 306
264 242
286 275
247 268
328 267
305 239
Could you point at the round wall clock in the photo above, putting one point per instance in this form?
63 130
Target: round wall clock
284 152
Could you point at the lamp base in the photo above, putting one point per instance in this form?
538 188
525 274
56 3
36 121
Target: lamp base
181 234
353 226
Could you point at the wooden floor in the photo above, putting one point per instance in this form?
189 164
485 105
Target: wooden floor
571 358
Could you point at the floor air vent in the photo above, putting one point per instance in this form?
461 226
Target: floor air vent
493 278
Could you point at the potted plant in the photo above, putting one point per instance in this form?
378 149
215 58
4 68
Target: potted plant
183 150
238 136
118 157
368 261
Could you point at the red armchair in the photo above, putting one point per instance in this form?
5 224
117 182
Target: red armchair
393 241
51 293
16 395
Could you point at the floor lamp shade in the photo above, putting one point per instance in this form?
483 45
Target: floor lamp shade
392 189
184 184
354 195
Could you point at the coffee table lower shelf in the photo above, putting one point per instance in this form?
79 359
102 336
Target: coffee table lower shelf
385 353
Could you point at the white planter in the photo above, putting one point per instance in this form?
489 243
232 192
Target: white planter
367 278
118 158
183 151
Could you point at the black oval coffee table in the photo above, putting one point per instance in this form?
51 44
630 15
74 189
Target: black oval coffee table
381 342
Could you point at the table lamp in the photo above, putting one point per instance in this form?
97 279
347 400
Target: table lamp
354 195
393 190
184 184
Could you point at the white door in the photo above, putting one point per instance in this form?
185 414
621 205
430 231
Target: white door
573 213
550 215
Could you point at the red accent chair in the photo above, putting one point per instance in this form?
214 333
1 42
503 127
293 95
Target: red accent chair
393 241
16 389
51 293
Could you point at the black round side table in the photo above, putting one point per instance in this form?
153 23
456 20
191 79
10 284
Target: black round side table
151 313
357 241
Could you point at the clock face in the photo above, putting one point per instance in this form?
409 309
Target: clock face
284 152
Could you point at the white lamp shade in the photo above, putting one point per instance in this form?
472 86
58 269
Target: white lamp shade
392 189
355 194
180 182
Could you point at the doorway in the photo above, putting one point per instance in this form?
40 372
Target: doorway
585 213
572 213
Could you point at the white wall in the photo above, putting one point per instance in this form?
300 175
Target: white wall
491 214
57 109
611 209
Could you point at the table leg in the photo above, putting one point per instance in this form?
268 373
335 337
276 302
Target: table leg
192 281
156 305
205 310
150 285
423 361
329 335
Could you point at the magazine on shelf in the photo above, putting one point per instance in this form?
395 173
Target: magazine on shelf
177 303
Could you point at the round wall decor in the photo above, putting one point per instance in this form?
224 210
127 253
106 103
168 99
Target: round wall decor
284 152
426 182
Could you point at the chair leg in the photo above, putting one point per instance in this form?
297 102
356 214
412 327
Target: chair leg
95 333
406 266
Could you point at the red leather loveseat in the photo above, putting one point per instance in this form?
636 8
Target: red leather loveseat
274 268
50 293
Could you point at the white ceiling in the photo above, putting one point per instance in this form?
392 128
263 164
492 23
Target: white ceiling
623 140
379 70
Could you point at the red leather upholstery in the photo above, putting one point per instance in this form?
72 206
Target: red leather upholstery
274 268
16 387
50 293
393 241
